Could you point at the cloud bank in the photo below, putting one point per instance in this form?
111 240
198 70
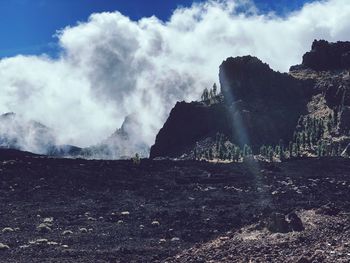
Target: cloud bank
111 67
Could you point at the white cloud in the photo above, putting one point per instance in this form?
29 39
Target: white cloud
111 66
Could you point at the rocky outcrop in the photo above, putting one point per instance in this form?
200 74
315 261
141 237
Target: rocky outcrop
124 143
188 123
326 56
271 102
260 106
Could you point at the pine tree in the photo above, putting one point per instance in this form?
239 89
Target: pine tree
270 153
210 154
215 89
290 148
205 95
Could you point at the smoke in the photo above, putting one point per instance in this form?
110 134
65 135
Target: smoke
110 67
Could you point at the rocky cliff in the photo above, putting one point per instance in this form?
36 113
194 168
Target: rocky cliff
263 107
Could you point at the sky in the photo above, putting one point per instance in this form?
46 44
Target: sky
29 26
111 59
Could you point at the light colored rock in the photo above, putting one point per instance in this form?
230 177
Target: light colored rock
83 230
155 223
4 247
43 228
67 232
7 230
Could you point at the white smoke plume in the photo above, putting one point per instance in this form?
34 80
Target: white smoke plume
110 66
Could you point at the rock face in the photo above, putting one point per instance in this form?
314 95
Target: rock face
327 56
262 106
265 105
188 123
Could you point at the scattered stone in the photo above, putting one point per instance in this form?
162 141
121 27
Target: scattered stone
162 241
65 246
83 230
328 209
175 239
67 232
155 223
4 247
120 222
52 243
43 228
41 241
24 246
91 219
48 221
7 230
125 213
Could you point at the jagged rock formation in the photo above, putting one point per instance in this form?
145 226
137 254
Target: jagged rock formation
187 124
326 56
120 145
262 106
18 133
327 66
21 134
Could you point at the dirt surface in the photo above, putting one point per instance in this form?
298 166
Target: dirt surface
62 210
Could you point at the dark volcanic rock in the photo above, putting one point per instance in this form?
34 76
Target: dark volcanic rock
327 56
260 106
273 102
278 223
295 223
188 123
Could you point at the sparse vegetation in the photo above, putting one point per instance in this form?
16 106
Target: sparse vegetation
136 159
211 96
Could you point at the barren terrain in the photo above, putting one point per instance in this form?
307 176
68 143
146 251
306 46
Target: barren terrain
65 210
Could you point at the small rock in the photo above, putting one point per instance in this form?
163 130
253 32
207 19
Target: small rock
224 238
91 219
52 243
41 241
83 230
48 221
67 232
328 209
125 213
120 222
295 223
155 223
4 247
65 246
43 228
175 239
162 241
7 230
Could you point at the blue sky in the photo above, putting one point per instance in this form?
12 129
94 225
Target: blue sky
28 26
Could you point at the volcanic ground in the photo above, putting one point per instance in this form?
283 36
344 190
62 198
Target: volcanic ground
74 210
